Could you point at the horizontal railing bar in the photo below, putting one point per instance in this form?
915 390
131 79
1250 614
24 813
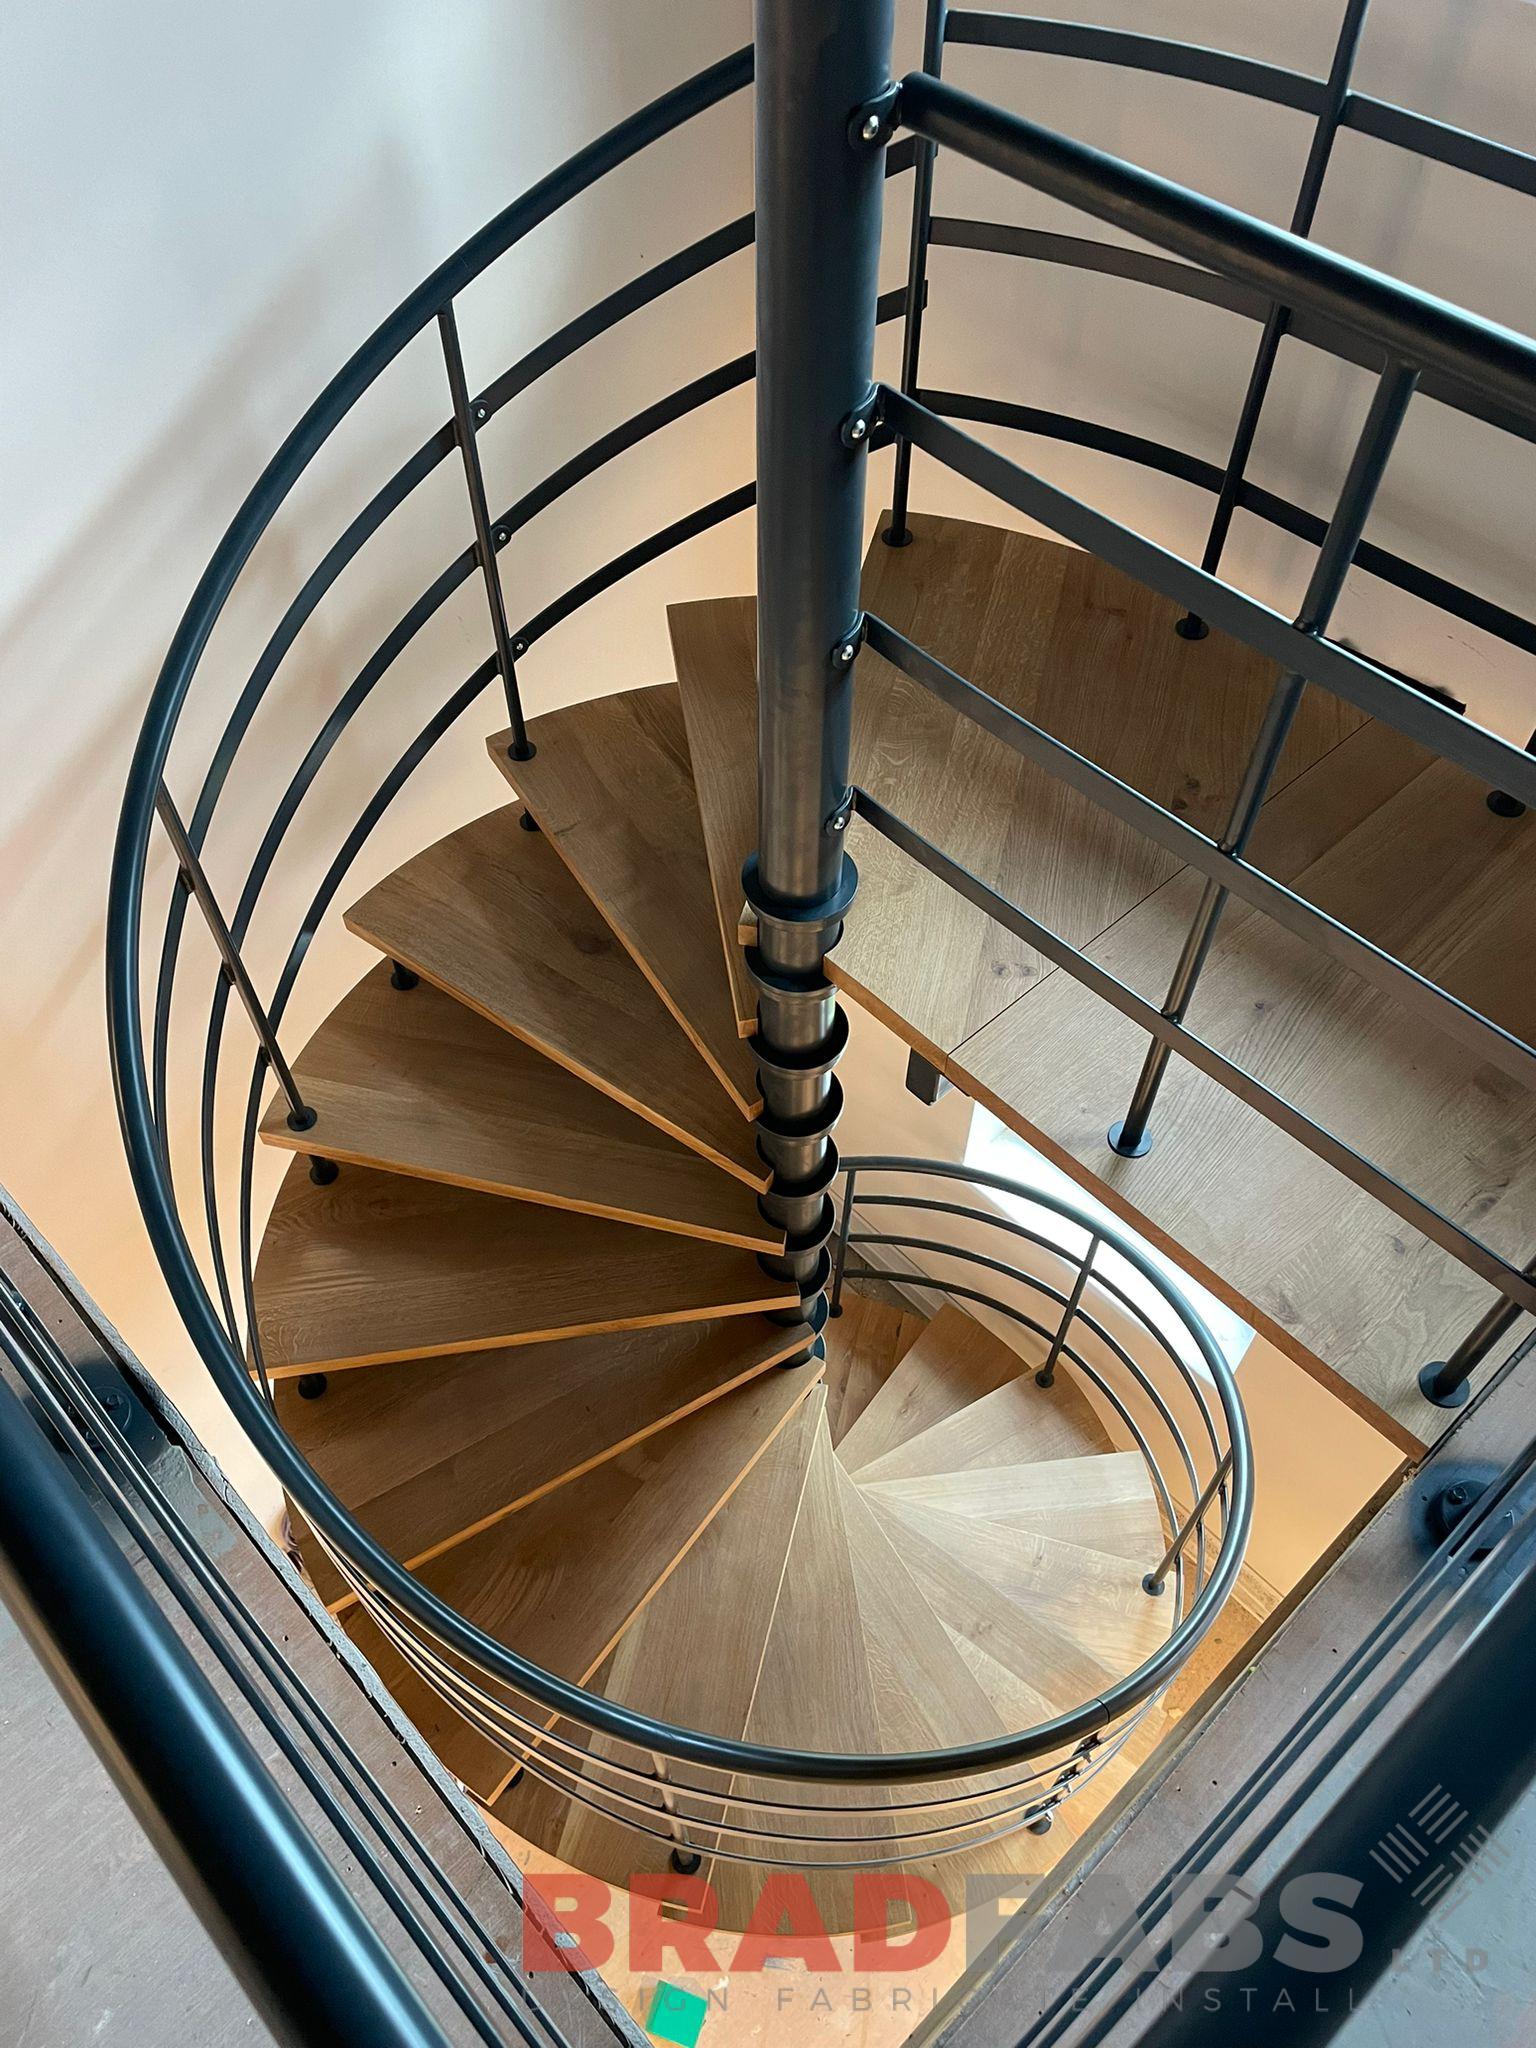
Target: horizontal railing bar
1470 1251
1395 978
1409 325
1167 273
1125 47
1350 676
651 419
1412 577
643 291
1478 155
726 506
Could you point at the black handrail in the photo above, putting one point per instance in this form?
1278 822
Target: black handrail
1335 290
302 1948
1408 325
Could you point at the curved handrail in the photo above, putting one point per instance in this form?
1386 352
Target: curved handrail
143 1107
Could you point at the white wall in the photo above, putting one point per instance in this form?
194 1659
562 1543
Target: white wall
209 207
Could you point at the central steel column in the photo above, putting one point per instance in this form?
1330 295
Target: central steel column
822 124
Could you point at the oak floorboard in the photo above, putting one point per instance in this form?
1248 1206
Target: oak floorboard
494 916
410 1081
375 1267
1334 1278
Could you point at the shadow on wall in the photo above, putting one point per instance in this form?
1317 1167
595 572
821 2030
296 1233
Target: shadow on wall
228 210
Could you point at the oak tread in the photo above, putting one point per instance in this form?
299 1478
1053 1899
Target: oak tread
611 785
492 915
429 1452
376 1267
413 1082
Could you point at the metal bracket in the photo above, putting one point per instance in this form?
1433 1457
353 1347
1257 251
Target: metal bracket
846 651
837 820
861 423
873 124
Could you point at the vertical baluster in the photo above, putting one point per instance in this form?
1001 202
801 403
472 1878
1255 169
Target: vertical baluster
300 1116
898 533
1330 116
1046 1376
466 419
1129 1137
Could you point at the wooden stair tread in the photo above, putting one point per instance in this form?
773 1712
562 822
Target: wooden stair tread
1058 637
926 1694
1018 1423
560 1580
714 645
1331 1276
953 1362
411 1081
695 1652
816 1691
1051 1662
377 1267
612 787
1101 1503
865 1344
493 915
1093 1599
430 1451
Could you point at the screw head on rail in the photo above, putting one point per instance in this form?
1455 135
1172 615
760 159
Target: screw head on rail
481 413
870 127
501 536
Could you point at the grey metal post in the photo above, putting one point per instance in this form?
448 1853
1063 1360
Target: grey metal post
1446 1381
1373 449
823 118
898 533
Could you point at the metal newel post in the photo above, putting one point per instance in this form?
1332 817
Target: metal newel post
823 118
1446 1381
898 533
1373 449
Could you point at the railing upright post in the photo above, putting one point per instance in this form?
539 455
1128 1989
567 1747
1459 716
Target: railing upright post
300 1116
1329 119
466 432
1447 1381
1378 437
898 533
823 111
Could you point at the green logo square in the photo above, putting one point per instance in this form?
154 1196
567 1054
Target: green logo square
676 2015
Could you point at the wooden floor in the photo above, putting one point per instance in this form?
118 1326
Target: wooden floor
1360 821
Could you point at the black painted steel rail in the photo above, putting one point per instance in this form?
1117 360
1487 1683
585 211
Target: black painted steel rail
1228 259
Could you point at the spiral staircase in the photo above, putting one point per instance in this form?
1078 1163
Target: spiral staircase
712 1504
512 1303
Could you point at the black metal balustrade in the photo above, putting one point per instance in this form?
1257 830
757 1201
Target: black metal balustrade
827 138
